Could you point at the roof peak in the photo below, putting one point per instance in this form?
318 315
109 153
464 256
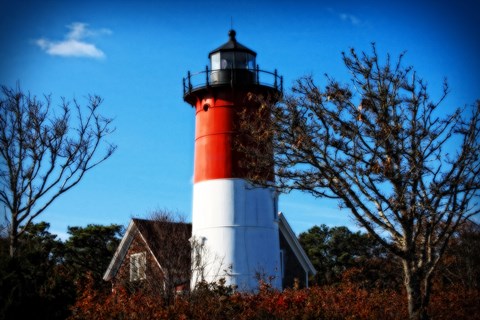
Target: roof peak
233 45
232 33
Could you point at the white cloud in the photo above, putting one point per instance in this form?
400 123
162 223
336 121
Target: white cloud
70 48
74 44
350 18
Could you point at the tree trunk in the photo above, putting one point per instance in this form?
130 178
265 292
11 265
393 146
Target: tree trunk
13 238
417 304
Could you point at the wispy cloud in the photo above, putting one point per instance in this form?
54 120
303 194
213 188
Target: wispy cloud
74 44
350 18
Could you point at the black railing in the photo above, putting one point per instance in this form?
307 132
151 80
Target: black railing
221 77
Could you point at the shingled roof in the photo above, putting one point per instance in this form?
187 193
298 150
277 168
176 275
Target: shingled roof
167 242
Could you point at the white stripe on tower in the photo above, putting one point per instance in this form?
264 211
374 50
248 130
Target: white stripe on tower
238 223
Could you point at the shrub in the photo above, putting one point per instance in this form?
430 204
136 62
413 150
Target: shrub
217 301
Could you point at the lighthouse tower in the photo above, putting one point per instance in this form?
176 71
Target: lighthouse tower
234 222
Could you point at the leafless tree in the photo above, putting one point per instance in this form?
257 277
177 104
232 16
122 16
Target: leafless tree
170 244
207 268
44 152
409 175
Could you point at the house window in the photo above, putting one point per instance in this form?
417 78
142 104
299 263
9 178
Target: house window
138 265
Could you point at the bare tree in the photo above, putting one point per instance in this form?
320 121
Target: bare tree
408 175
208 269
169 242
44 152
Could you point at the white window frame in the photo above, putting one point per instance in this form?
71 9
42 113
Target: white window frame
138 266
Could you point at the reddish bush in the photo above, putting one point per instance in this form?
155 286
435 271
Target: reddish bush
344 301
455 302
119 304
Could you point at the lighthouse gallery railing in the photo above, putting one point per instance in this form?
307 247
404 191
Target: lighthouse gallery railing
221 77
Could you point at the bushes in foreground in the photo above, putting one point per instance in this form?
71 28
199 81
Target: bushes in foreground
343 301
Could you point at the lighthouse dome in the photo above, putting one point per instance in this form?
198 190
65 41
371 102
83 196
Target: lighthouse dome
232 66
232 45
232 55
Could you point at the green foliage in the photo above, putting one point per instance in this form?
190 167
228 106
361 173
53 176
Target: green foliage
335 250
34 284
90 249
40 281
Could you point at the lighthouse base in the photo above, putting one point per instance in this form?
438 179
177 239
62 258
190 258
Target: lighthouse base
235 234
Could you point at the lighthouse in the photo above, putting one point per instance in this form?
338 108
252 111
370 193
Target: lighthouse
235 223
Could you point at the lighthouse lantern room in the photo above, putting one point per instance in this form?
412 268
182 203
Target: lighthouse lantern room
235 231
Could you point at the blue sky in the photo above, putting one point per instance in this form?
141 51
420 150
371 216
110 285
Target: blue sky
135 53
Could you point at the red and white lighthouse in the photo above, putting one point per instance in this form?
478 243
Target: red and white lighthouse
234 221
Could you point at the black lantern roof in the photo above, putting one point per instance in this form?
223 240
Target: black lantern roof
233 45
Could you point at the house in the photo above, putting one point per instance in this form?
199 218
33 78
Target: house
156 255
152 255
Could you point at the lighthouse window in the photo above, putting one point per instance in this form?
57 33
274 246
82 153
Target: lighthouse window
215 61
236 60
241 60
227 60
250 62
224 64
